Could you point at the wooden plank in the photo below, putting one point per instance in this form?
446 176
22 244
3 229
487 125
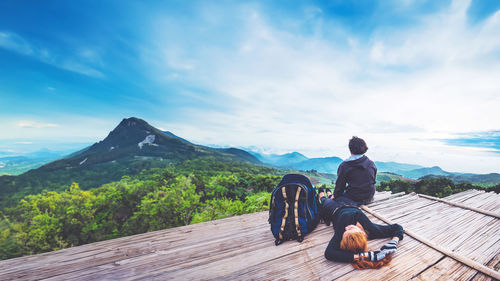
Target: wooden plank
485 212
447 269
174 236
385 195
440 215
494 263
412 258
459 197
210 264
462 259
484 200
128 248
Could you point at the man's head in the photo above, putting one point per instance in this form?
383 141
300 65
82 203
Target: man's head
357 146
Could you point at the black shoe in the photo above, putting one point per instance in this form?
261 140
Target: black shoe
326 193
320 190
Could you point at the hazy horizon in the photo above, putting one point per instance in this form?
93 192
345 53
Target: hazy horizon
69 148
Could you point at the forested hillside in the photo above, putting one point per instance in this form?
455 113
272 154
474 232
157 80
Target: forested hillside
435 186
131 147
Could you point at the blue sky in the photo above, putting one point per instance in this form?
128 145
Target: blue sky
417 79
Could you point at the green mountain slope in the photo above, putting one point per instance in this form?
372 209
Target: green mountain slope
481 179
282 160
418 173
395 167
131 147
326 164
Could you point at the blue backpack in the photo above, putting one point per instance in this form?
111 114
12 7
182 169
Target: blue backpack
293 211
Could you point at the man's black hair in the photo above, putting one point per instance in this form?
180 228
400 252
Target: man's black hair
357 146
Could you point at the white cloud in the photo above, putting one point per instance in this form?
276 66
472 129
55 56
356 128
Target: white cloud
81 68
32 124
16 43
312 12
443 39
59 129
23 142
287 91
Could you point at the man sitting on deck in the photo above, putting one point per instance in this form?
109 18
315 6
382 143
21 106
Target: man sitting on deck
358 172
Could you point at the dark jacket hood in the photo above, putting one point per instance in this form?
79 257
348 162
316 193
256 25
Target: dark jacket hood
362 162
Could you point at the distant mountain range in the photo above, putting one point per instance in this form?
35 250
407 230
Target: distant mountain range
18 164
280 160
298 161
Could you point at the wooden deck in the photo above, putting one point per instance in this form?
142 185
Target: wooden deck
242 248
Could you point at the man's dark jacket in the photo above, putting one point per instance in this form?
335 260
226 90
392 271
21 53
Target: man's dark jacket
359 175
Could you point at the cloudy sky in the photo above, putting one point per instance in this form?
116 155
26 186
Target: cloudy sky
418 80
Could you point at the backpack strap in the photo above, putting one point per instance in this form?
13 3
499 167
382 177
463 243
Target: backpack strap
296 211
282 228
272 208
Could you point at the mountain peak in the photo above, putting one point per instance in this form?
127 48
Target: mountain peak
132 122
129 121
130 130
131 138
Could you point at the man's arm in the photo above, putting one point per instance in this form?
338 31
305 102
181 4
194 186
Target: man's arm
392 246
375 174
376 231
340 183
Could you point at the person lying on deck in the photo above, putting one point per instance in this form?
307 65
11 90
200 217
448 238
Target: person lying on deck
352 230
358 173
